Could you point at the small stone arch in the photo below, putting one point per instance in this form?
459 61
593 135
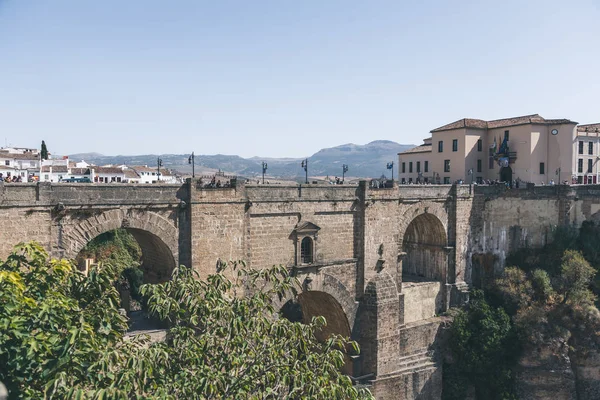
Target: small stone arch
156 235
322 282
323 295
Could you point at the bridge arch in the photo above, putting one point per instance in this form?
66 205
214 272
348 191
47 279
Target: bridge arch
323 295
156 235
424 239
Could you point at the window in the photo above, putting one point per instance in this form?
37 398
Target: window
542 168
454 144
7 162
306 251
441 146
410 167
479 145
580 147
446 180
491 163
590 164
506 136
426 166
418 166
580 164
403 167
446 165
479 167
590 148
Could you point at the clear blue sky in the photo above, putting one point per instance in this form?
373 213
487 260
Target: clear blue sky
285 78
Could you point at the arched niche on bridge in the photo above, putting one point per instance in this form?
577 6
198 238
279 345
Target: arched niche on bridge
425 243
156 236
325 296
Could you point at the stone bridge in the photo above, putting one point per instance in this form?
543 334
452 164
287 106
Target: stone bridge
381 265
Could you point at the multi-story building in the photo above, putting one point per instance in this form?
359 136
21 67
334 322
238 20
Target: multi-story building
528 148
587 154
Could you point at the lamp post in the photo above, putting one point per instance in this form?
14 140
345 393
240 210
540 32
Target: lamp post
158 165
344 170
191 160
305 166
390 165
264 169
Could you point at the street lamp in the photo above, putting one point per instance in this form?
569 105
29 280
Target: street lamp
264 169
191 161
344 170
471 173
158 165
390 165
305 166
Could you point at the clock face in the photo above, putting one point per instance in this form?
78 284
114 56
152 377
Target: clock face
555 131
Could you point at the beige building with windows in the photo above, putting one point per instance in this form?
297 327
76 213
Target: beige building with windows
587 154
529 148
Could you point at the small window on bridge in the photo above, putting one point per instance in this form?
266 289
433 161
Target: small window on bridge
306 251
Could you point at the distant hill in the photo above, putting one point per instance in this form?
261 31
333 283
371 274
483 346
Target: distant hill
364 161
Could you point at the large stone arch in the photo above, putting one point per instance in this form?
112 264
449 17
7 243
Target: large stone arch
423 241
157 236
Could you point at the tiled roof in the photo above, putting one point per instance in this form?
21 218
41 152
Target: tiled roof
80 171
424 148
142 168
55 168
502 123
589 128
131 174
108 170
463 123
17 156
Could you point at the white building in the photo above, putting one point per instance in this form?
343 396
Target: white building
586 155
25 165
108 174
146 174
54 173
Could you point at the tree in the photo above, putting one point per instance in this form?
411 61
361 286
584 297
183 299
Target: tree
483 347
61 336
44 151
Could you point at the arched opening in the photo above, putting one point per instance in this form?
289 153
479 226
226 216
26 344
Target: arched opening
306 251
147 250
424 243
424 268
315 303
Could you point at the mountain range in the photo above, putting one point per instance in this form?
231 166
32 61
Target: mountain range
363 161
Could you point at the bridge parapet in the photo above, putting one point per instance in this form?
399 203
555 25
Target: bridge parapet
46 193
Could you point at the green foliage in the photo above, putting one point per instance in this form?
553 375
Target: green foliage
135 279
44 151
575 278
483 346
61 336
117 247
54 321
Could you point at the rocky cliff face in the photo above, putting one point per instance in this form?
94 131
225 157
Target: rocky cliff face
586 366
555 371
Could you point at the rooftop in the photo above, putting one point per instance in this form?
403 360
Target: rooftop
589 128
424 148
502 123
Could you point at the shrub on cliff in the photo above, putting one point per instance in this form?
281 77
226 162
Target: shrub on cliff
61 336
483 348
